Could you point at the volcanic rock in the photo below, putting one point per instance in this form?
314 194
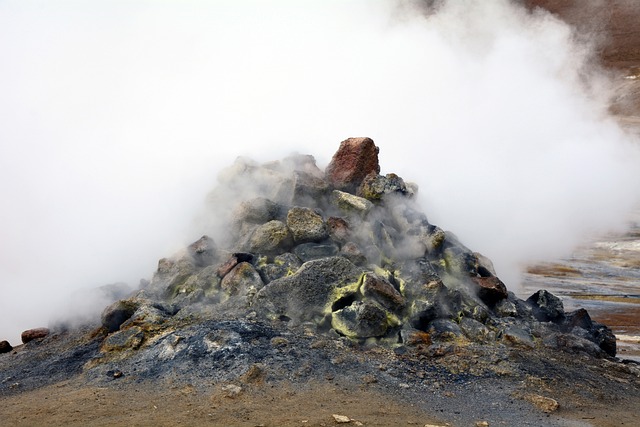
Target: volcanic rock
117 313
33 334
546 306
380 290
350 205
490 289
306 225
360 320
355 159
311 291
271 238
374 187
5 347
242 278
203 251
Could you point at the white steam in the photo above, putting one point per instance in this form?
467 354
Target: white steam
116 117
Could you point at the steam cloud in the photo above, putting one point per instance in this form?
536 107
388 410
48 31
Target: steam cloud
117 116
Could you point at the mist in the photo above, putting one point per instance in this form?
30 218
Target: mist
117 116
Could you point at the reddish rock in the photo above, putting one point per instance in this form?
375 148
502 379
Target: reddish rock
5 347
355 159
490 289
33 334
380 290
338 229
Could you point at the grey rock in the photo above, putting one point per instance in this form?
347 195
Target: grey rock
306 225
310 251
271 238
360 320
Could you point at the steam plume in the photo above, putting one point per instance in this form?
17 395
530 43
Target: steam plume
118 115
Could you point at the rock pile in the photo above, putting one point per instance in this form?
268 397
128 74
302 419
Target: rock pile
349 252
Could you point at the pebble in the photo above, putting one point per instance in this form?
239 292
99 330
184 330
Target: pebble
341 419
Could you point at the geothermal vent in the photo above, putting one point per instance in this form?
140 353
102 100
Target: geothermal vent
346 251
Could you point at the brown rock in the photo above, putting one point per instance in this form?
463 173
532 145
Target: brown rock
355 159
383 292
490 289
5 347
338 229
32 334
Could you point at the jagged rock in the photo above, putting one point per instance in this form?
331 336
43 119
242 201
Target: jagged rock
518 335
444 330
490 289
338 229
374 187
149 314
271 238
546 306
203 251
308 188
171 275
604 337
381 291
5 347
310 251
505 308
476 331
355 159
311 291
352 252
349 204
360 320
283 265
257 211
130 338
117 313
579 318
306 225
241 278
34 334
232 261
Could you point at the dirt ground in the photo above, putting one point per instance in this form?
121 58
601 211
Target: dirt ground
127 402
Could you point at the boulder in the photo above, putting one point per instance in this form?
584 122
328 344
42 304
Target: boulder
306 225
171 275
360 320
355 159
310 251
490 289
33 334
350 205
476 331
310 292
308 188
5 347
272 237
375 187
203 251
381 291
243 277
546 306
338 229
353 253
256 211
117 313
283 265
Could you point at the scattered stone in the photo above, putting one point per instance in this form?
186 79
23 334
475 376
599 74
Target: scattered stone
355 159
545 404
5 347
33 334
231 391
341 419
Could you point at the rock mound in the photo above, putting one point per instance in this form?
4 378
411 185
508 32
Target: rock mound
347 252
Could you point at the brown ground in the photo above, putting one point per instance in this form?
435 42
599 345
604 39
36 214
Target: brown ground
615 23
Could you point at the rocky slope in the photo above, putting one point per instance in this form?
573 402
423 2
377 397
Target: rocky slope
334 276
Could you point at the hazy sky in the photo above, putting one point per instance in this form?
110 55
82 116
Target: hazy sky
115 117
